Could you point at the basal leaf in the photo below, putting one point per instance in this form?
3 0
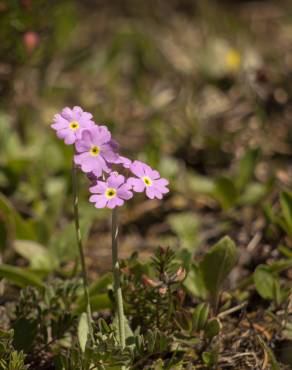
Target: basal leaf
19 276
83 331
217 264
266 283
246 167
40 257
225 191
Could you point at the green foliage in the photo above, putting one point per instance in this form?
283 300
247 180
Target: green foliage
267 282
29 327
217 264
10 359
212 328
20 276
284 220
246 168
186 226
236 190
225 192
195 282
40 257
152 293
83 331
200 316
13 225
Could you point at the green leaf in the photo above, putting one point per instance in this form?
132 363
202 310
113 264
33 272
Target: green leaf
200 316
210 358
217 264
19 276
64 245
286 251
200 184
267 284
40 257
194 282
98 302
286 205
183 320
101 284
225 191
185 225
280 265
17 227
83 331
128 331
253 193
212 328
103 326
246 168
25 331
207 358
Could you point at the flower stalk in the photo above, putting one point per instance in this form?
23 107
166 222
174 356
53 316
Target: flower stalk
117 282
80 248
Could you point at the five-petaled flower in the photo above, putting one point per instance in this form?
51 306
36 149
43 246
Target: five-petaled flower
94 150
147 179
70 123
110 193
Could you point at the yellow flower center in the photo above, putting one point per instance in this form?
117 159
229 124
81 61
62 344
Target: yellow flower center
110 193
147 181
74 125
233 59
94 150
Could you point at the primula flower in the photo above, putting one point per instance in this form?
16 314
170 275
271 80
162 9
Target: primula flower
95 150
70 124
110 193
147 179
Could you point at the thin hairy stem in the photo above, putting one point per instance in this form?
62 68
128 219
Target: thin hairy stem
80 248
117 283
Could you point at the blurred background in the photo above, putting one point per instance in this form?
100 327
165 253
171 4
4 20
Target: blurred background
200 90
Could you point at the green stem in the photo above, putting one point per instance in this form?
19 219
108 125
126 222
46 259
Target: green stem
80 248
117 282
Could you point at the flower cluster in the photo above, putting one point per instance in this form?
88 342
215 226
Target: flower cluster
96 154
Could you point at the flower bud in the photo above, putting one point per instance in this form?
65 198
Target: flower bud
31 40
149 282
180 274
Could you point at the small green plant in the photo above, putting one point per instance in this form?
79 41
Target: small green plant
10 359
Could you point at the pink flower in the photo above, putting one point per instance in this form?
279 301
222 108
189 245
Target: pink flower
70 124
147 179
111 193
95 150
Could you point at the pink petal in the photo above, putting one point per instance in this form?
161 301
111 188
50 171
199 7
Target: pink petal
124 192
100 187
137 168
137 184
115 202
114 181
67 113
70 138
153 174
99 200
